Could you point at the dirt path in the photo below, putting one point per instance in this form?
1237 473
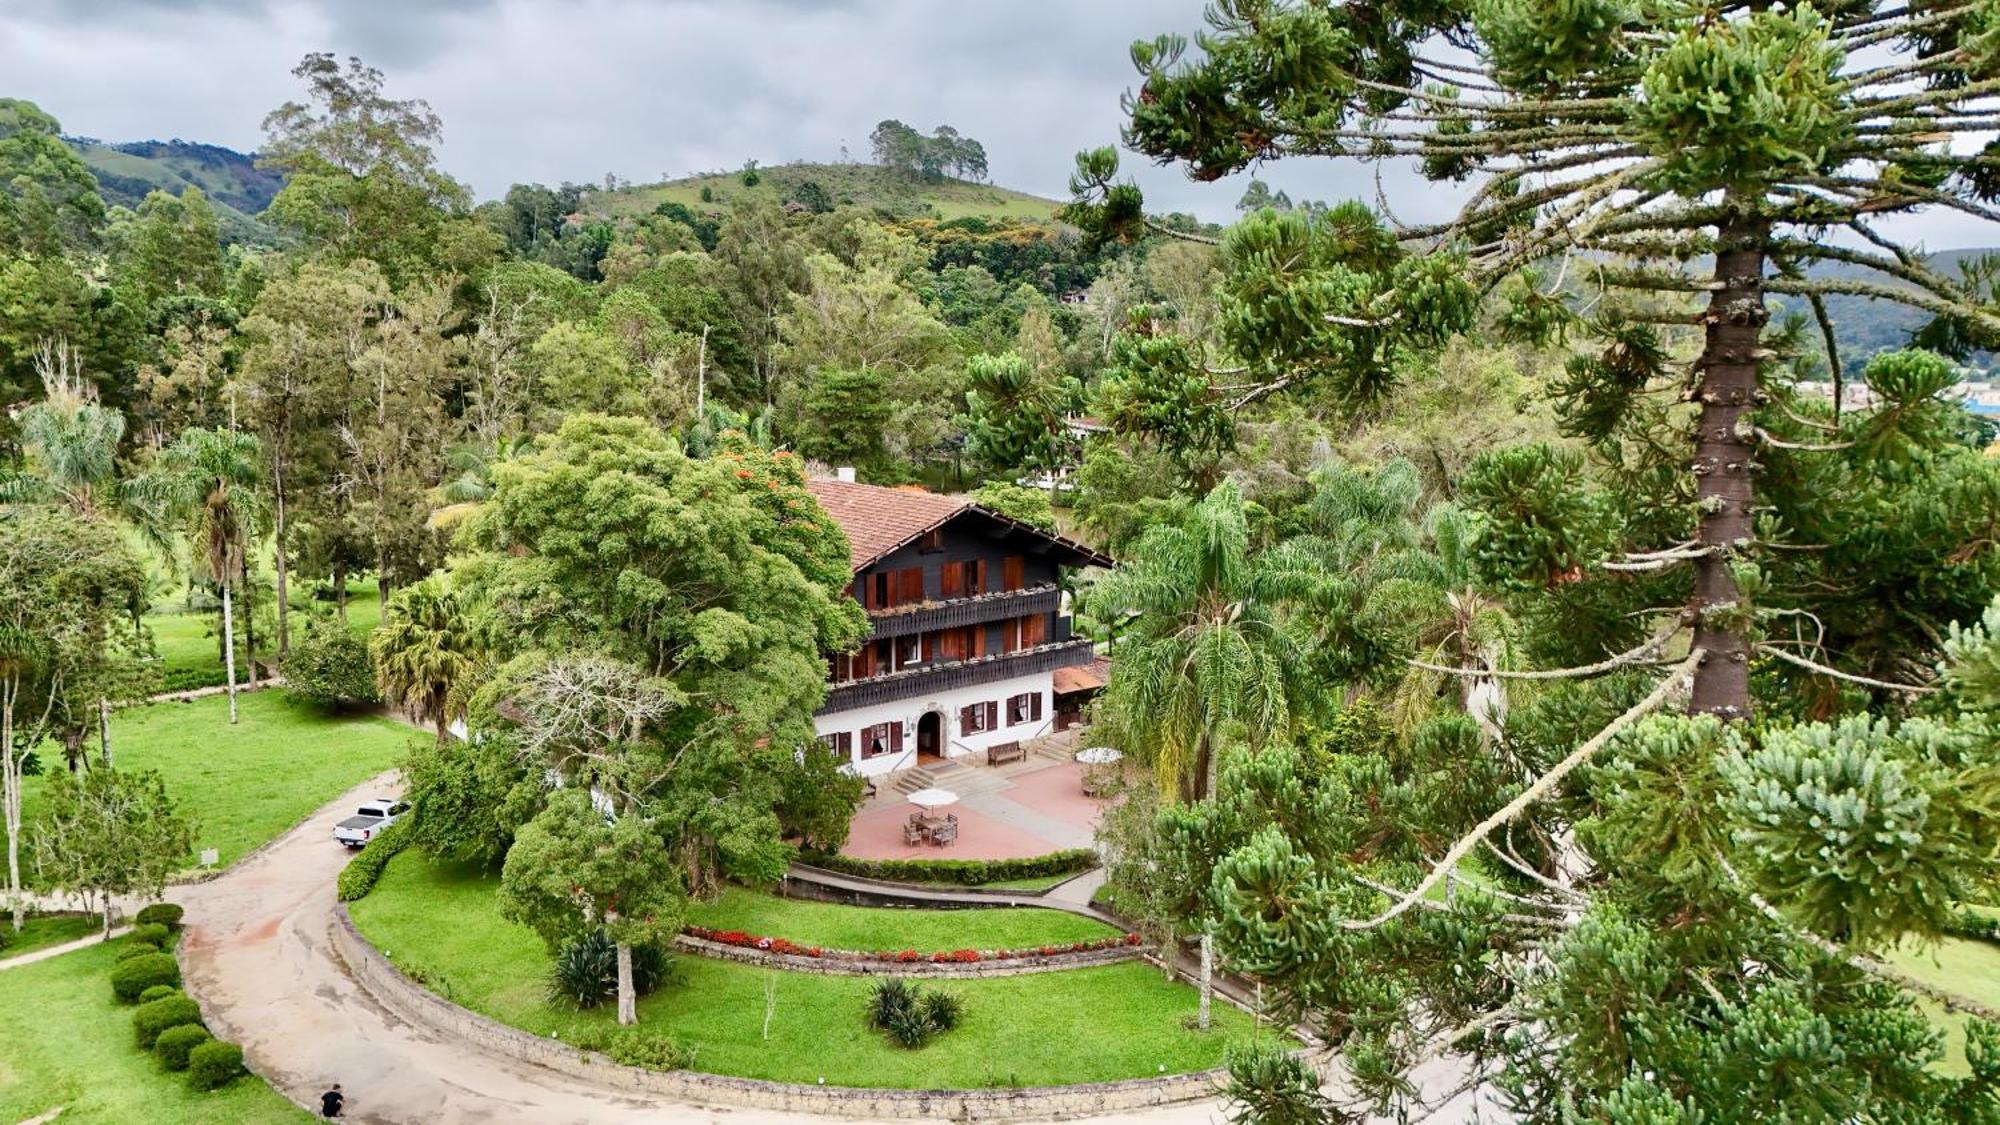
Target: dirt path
258 954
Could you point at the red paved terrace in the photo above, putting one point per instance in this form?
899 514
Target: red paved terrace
1008 815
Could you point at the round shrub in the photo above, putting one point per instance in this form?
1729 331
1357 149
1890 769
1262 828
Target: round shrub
154 934
134 975
214 1064
175 1043
131 949
158 992
161 1014
167 914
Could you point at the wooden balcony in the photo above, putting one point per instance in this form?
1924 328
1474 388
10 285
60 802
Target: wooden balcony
925 617
1064 653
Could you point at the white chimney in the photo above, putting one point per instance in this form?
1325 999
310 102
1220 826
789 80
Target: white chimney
844 474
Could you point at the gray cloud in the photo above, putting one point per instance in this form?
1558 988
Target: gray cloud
551 90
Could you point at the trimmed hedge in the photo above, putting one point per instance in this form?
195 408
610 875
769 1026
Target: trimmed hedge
214 1064
1972 925
131 949
964 872
168 1011
134 975
361 872
175 1043
158 992
152 933
167 914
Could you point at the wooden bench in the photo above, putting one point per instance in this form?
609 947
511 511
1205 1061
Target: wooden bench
1006 752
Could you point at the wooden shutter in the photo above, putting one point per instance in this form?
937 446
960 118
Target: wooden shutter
1010 635
966 722
1011 573
864 662
1034 631
1035 706
910 585
864 592
895 738
978 569
993 715
951 580
977 638
930 647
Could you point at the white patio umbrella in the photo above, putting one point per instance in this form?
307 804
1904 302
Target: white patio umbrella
928 799
1099 756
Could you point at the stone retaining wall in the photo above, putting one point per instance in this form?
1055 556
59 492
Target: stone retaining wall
844 967
412 1002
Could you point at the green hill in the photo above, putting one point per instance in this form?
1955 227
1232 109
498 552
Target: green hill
863 185
232 181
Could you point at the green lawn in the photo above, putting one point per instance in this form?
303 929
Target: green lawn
66 1043
249 782
43 930
1118 1021
1961 965
872 928
188 647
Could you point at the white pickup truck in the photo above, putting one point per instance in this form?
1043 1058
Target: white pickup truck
369 820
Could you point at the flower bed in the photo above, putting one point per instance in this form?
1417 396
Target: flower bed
778 945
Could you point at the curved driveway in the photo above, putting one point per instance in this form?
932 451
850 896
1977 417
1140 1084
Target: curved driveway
258 954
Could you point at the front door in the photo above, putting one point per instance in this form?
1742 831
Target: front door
930 736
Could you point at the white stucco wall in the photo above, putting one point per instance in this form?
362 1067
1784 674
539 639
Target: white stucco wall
947 703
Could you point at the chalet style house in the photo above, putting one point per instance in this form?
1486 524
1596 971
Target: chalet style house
970 645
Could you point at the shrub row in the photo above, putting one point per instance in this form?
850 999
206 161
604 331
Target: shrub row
361 872
1978 927
167 1021
912 1016
630 1046
963 872
903 956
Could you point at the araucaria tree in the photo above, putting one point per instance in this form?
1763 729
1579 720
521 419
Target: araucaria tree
1625 154
1679 903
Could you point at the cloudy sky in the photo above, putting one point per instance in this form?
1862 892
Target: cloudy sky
553 90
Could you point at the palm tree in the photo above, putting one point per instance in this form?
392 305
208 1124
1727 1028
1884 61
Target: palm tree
427 652
210 480
1204 653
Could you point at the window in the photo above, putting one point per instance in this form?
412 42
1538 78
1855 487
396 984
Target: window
1024 708
839 669
910 585
1012 572
931 542
841 742
878 584
880 739
979 718
1034 630
909 650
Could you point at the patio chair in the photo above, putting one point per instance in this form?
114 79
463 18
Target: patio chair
913 834
945 834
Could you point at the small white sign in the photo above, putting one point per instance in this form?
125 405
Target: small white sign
209 856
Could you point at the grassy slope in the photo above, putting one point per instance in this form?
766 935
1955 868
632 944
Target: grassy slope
1121 1021
44 930
865 185
1969 968
867 928
186 639
76 1052
249 782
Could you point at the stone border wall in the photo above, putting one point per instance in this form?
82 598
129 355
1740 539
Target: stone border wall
925 967
412 1002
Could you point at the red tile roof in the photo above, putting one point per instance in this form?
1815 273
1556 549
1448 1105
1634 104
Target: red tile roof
878 520
1089 677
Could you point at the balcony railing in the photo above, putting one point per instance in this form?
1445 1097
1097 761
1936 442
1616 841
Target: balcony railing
957 674
924 617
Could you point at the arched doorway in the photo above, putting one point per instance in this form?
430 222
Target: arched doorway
930 738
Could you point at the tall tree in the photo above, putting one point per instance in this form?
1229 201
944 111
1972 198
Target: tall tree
1661 150
211 478
427 653
66 583
106 833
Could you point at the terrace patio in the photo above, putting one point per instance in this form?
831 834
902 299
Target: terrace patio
1023 809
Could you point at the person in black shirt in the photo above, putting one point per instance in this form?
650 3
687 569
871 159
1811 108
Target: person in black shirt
329 1102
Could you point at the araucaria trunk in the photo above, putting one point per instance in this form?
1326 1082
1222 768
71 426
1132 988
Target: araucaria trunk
1725 466
278 563
229 647
628 999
